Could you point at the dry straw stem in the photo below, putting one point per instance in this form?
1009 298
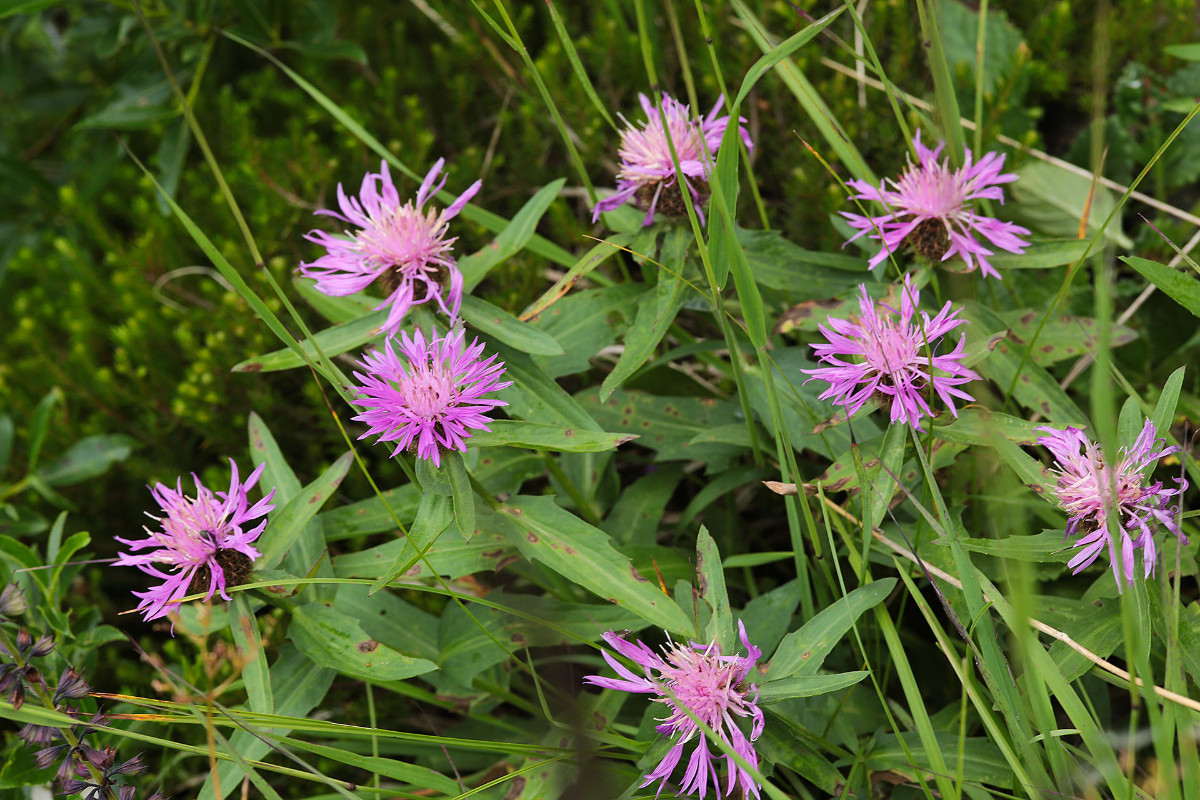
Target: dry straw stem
1054 633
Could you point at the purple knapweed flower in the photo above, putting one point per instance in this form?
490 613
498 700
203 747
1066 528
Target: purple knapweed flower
430 399
710 685
205 542
1089 491
403 245
647 174
931 209
879 354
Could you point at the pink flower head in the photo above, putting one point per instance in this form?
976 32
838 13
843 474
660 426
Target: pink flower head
710 685
404 245
895 357
931 208
204 541
646 165
1088 491
432 398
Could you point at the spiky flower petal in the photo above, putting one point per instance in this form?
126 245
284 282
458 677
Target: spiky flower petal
894 358
713 687
405 245
1089 491
200 539
648 176
431 399
931 206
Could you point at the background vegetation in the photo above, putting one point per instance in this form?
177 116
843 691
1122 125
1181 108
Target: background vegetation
119 333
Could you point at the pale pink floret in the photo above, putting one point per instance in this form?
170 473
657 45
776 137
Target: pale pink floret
710 685
193 532
933 191
646 155
876 353
432 398
408 240
1088 490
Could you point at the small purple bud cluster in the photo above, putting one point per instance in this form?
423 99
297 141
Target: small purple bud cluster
91 772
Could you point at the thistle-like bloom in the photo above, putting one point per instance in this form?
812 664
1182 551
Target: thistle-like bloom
1088 490
204 542
647 174
432 398
403 245
931 208
712 687
878 354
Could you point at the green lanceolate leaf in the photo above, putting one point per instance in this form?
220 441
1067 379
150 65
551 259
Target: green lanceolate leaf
512 433
512 239
1180 287
711 576
806 686
584 555
334 640
288 522
332 341
87 459
497 323
802 652
461 493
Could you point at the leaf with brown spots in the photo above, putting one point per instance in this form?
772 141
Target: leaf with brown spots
593 563
334 640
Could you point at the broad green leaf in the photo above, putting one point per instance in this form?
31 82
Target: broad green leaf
1062 337
332 341
39 423
710 575
536 397
255 673
87 458
803 651
389 619
1180 287
656 311
1051 200
584 555
449 556
806 686
804 274
982 761
535 435
1048 546
1098 629
461 493
287 523
770 614
512 239
980 426
1188 52
277 474
1041 255
434 516
1035 388
635 517
498 324
335 309
1164 411
584 323
332 639
7 431
667 425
